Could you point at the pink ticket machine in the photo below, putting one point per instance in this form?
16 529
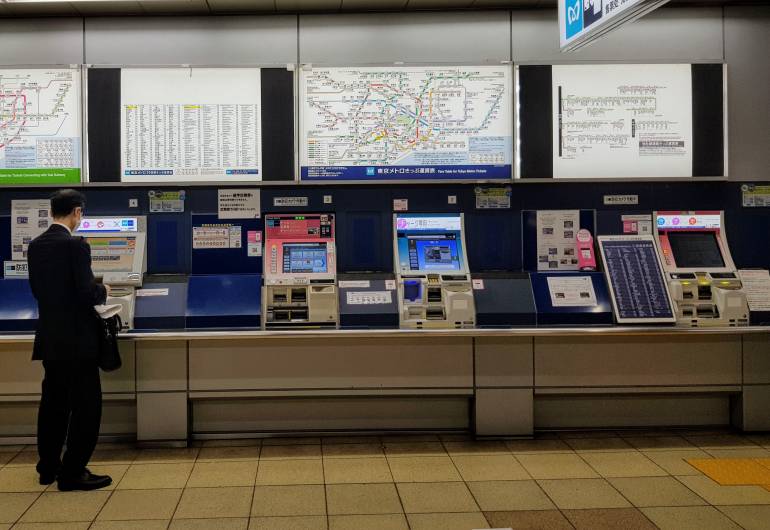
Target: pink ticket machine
300 271
701 275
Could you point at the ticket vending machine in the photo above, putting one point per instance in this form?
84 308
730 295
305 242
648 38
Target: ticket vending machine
300 271
434 281
118 257
701 275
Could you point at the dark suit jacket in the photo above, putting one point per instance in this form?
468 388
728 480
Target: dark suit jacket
66 292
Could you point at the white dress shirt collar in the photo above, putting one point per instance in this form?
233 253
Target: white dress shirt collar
62 224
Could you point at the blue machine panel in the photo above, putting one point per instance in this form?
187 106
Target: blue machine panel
503 300
548 315
367 316
18 310
162 312
224 301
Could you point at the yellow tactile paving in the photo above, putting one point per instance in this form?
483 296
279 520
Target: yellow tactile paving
764 461
766 486
733 471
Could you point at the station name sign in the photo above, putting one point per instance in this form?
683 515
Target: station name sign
581 22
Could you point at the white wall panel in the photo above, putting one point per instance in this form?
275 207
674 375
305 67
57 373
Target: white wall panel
41 41
227 40
672 34
747 45
451 37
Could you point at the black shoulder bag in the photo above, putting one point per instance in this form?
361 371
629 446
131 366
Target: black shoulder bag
109 354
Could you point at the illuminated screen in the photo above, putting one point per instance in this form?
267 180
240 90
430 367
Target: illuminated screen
696 250
112 254
304 258
429 243
436 253
108 224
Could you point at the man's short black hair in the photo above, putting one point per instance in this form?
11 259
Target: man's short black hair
64 202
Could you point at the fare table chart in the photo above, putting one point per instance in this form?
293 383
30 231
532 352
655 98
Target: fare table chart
638 288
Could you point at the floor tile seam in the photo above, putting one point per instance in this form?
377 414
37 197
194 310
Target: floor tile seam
181 494
719 509
112 491
529 474
601 477
678 479
39 494
649 460
398 493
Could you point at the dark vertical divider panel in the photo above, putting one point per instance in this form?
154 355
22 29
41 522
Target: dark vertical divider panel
708 120
104 124
168 244
493 240
277 124
536 127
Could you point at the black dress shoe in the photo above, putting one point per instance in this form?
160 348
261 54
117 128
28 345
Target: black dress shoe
46 479
86 481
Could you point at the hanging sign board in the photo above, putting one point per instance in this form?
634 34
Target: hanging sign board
581 22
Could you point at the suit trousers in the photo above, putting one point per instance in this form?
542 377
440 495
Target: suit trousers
71 411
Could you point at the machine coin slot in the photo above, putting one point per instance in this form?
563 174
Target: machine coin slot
434 294
280 316
687 295
707 312
704 292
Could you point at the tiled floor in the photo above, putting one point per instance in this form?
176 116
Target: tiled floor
587 480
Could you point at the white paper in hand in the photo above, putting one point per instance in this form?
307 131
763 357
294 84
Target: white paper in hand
107 311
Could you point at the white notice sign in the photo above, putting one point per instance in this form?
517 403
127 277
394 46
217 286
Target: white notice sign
756 285
239 204
556 244
369 297
211 237
622 120
29 219
572 291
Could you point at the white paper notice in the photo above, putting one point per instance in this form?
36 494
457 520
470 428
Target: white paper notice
190 124
756 285
556 244
572 291
152 292
254 243
239 204
369 297
622 120
354 284
29 219
208 237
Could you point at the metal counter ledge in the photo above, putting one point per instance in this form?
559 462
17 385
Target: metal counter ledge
224 334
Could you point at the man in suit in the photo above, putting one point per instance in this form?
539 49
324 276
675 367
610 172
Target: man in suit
67 341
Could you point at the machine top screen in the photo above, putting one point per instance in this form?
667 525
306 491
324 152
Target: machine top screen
429 243
694 250
112 254
304 258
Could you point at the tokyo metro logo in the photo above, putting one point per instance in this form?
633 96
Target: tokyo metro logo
574 17
580 14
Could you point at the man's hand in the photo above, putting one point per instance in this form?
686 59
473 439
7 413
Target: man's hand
109 290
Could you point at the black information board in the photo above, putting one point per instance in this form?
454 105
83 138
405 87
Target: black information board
635 277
